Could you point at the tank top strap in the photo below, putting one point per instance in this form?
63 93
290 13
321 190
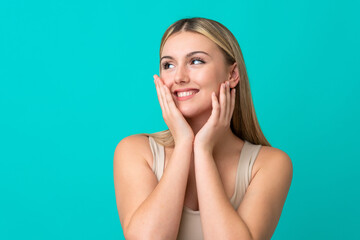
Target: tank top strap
248 155
158 157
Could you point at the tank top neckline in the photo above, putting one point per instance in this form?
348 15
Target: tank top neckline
246 143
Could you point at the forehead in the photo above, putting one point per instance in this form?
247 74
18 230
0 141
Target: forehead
184 42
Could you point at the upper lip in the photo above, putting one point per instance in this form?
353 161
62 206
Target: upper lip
184 90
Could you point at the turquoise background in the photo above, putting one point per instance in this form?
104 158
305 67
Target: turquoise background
76 78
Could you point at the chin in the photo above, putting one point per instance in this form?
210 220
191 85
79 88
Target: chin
191 111
188 113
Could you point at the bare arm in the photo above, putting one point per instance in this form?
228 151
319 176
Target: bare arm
149 209
260 210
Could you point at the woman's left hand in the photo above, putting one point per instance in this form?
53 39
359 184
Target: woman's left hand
219 121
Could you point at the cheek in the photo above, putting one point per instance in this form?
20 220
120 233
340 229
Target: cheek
210 77
166 80
205 99
214 87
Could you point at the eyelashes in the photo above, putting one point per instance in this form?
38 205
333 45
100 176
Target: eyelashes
165 65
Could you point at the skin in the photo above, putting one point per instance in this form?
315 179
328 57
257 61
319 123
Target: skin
205 121
200 170
205 118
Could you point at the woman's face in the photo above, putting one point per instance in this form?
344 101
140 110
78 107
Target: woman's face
191 63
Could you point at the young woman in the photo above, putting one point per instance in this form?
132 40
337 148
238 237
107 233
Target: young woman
212 174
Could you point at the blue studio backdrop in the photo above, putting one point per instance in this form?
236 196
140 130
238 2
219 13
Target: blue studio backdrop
76 78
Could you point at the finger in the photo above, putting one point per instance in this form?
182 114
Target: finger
165 108
222 102
158 92
169 99
228 101
166 101
215 113
233 97
163 95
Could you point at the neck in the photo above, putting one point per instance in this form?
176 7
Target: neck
228 139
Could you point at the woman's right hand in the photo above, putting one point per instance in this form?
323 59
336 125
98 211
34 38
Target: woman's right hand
178 126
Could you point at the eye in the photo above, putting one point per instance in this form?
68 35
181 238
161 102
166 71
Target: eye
165 65
197 59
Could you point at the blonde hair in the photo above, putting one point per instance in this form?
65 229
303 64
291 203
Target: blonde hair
244 123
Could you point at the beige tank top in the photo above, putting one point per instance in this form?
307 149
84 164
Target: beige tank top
190 225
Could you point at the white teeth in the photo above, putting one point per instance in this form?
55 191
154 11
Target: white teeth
184 94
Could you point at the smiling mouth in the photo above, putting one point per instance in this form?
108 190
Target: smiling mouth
185 95
188 93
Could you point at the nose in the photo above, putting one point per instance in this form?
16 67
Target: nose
181 75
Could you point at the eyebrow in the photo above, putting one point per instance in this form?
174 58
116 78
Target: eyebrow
187 55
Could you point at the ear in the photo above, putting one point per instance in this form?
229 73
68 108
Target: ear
234 75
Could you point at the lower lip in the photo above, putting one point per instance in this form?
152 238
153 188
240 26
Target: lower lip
185 98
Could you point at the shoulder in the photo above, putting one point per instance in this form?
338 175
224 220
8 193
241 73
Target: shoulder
267 192
134 144
274 160
132 141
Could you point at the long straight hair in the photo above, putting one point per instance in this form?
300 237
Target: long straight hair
244 123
